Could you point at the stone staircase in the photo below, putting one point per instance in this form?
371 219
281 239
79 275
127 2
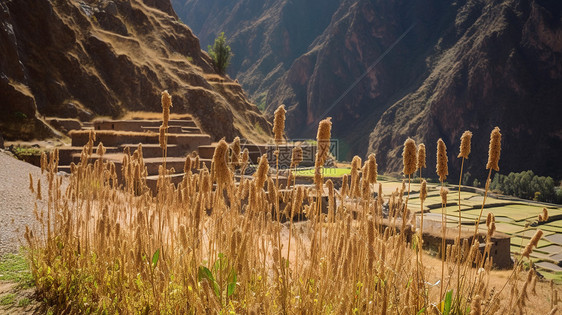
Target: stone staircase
184 136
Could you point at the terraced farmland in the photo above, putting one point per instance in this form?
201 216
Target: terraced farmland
514 217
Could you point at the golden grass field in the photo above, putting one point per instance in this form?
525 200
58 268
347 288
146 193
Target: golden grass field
215 245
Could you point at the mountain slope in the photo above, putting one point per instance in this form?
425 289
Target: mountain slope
428 69
265 36
503 67
71 58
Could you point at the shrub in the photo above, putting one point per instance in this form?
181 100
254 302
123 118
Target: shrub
476 183
221 54
558 194
466 178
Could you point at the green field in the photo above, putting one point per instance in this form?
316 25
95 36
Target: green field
512 217
327 172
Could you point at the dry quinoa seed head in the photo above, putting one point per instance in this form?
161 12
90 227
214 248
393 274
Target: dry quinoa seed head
222 172
245 156
409 157
162 137
187 165
166 99
344 186
492 229
465 144
372 175
443 192
423 190
476 305
279 124
262 171
296 156
235 147
545 214
442 160
31 188
536 238
533 243
166 102
323 141
39 197
494 150
318 177
421 157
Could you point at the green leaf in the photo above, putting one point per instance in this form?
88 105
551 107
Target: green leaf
231 288
448 302
155 258
232 283
421 311
205 273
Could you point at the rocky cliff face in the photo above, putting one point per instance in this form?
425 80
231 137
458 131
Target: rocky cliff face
499 63
70 58
427 69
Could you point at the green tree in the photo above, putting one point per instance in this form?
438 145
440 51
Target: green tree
221 54
526 185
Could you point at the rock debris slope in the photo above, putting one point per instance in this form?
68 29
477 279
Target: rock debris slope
70 58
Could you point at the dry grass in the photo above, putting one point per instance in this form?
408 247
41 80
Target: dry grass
114 133
140 115
213 245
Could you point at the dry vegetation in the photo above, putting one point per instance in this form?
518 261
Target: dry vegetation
213 245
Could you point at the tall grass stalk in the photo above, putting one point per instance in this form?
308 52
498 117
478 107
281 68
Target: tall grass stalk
464 151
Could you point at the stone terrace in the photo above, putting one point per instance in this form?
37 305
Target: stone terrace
184 137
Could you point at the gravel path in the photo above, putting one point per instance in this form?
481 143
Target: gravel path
16 200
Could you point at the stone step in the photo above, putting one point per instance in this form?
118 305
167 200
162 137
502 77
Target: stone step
171 129
152 164
65 153
154 150
195 130
207 152
189 142
136 125
112 138
152 181
64 168
182 122
113 157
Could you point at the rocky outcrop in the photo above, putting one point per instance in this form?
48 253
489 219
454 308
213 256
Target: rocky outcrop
79 59
499 64
393 69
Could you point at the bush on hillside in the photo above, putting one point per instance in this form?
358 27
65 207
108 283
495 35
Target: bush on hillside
221 53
